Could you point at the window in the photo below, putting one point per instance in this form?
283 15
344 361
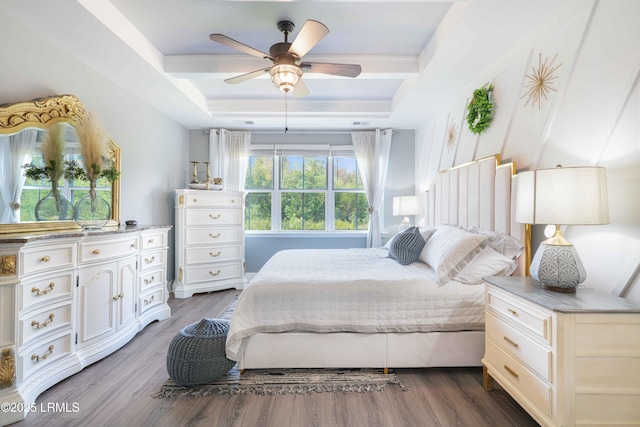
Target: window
298 189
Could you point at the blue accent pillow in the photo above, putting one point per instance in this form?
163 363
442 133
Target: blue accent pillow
406 246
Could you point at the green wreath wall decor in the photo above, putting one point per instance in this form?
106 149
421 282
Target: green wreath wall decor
480 110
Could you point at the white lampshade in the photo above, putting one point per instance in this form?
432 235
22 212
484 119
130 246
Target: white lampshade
563 196
285 76
405 205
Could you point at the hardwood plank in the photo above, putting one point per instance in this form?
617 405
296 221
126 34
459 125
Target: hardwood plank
117 390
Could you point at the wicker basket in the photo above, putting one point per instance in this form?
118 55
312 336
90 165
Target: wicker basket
197 354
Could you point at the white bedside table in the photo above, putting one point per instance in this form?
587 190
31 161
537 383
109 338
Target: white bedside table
567 359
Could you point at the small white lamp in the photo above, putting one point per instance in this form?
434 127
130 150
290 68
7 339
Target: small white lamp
561 196
405 205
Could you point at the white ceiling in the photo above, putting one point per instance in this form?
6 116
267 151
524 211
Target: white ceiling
160 51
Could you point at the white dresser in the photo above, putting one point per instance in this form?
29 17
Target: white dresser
71 298
209 241
567 359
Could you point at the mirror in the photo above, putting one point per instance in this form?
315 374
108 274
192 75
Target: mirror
22 128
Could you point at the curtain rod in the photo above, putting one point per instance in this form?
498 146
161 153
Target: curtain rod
302 132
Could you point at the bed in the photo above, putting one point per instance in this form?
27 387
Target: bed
350 308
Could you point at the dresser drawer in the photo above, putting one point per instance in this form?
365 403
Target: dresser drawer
46 288
214 216
520 346
152 259
44 354
92 251
37 324
46 258
523 314
153 240
213 235
151 299
537 391
212 254
151 279
204 200
213 273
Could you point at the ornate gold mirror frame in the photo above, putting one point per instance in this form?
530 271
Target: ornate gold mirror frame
42 113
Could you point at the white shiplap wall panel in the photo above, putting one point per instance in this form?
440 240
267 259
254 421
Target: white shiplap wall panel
454 191
463 202
487 196
473 212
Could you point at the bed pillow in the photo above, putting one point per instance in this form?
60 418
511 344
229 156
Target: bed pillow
449 249
487 263
425 232
502 243
406 246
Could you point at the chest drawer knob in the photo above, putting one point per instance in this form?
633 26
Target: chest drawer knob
45 258
38 292
96 251
214 255
511 371
48 353
214 236
510 341
39 325
214 217
214 274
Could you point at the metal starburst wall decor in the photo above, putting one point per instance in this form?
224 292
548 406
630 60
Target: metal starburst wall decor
452 135
540 81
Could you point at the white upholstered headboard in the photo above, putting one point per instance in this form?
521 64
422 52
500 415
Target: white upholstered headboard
480 193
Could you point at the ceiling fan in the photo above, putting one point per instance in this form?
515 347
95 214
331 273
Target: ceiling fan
286 73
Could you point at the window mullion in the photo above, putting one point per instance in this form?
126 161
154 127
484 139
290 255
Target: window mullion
276 198
329 201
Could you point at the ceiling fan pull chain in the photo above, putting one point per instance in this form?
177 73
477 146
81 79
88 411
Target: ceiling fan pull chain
286 127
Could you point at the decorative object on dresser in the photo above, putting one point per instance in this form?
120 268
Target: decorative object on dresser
567 196
72 299
209 241
567 359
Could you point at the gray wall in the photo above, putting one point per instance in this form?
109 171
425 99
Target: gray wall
400 181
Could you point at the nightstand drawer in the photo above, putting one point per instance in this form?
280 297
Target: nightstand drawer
520 346
523 314
214 217
537 391
212 254
213 235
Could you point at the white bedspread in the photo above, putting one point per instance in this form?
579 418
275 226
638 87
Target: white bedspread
355 290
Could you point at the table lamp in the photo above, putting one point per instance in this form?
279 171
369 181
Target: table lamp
561 196
405 205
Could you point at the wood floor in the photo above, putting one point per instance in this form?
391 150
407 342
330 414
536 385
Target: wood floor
116 391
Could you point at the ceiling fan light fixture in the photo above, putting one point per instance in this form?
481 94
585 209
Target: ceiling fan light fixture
285 76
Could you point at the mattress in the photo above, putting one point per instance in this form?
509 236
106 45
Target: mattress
350 290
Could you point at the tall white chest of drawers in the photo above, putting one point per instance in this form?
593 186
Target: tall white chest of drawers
568 359
209 229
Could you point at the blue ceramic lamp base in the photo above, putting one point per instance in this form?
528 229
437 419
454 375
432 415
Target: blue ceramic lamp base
558 268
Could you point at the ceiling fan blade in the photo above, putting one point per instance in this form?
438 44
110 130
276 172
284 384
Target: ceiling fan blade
248 76
300 89
309 36
222 39
344 70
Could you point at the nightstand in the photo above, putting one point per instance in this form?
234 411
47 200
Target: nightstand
567 359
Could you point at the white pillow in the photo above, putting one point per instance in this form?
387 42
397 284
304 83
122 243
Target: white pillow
449 249
487 263
503 243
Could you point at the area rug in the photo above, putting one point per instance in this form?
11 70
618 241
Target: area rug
288 381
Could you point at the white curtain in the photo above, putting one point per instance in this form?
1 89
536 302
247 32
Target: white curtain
15 152
229 157
372 152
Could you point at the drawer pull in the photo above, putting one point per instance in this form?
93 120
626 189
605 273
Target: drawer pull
214 255
150 241
214 236
133 246
38 292
149 261
45 258
215 217
513 343
96 251
150 300
117 297
39 325
149 280
195 200
233 201
512 311
214 274
48 353
511 371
